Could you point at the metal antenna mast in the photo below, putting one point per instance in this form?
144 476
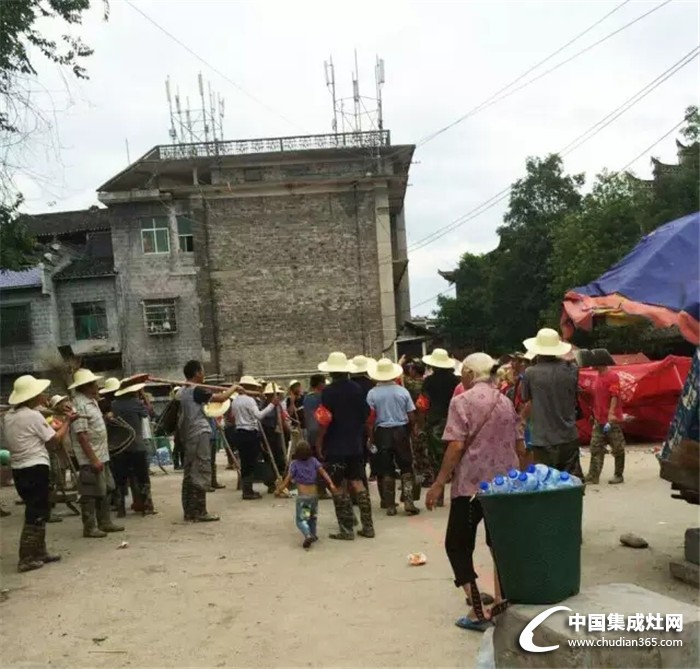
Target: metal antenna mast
330 84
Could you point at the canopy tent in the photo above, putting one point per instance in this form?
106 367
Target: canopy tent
658 280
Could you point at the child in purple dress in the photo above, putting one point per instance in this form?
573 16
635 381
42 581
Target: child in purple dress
303 471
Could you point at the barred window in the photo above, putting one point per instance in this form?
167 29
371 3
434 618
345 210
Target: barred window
90 320
155 235
15 324
184 234
160 316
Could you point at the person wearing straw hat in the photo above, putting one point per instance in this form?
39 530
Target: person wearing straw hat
274 432
248 418
552 385
111 385
133 461
434 401
295 405
359 369
342 417
90 445
483 441
27 435
215 412
195 433
393 415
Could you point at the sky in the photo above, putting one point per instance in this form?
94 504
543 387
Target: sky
442 59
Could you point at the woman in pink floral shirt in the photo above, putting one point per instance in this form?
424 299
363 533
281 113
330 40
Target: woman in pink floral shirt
483 441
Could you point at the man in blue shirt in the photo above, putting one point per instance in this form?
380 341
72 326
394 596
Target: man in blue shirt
340 444
393 412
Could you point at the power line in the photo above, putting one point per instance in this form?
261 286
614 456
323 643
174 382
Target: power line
212 67
572 146
622 169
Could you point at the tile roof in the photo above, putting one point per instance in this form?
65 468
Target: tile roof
26 279
86 268
65 222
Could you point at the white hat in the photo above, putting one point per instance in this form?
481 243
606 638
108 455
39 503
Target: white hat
216 409
384 370
112 384
480 365
337 362
272 389
249 381
26 388
130 389
439 358
82 377
56 400
360 364
458 369
547 342
293 383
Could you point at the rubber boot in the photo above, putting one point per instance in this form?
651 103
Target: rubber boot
29 547
88 513
148 508
407 486
248 492
344 515
186 499
595 468
104 516
619 470
121 503
380 489
201 514
43 553
365 504
389 494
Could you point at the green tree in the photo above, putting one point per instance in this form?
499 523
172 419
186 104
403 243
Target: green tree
21 41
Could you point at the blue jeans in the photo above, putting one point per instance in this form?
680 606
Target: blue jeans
306 514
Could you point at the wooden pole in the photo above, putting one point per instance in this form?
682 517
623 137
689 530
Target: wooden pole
216 389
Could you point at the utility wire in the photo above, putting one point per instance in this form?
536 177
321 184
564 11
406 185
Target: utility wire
213 68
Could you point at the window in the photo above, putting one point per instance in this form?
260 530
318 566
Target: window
15 324
160 317
155 235
184 234
90 320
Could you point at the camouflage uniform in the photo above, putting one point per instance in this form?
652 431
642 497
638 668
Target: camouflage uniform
616 439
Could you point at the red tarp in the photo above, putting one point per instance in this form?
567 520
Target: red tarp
650 393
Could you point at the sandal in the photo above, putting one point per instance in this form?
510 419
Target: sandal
466 623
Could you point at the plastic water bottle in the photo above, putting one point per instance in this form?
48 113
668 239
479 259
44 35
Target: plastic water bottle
499 486
606 428
527 482
484 488
541 472
565 480
513 478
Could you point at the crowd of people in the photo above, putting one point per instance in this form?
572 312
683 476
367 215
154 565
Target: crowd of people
419 423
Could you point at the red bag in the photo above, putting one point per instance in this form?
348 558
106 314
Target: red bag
323 416
422 403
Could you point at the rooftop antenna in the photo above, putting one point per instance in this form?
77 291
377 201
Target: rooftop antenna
204 107
356 96
330 84
172 132
379 81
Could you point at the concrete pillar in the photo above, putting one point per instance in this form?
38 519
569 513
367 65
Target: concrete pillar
386 270
403 292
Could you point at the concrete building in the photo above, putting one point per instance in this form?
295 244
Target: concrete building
255 256
260 256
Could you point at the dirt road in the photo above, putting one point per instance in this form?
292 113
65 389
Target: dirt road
242 592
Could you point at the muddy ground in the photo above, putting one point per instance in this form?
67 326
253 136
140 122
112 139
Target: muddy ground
242 592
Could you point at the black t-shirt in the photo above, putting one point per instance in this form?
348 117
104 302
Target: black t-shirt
439 388
366 384
201 395
345 400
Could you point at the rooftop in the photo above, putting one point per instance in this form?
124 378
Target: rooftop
86 267
66 222
29 278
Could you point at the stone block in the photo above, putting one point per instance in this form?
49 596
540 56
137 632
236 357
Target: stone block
616 598
692 545
685 571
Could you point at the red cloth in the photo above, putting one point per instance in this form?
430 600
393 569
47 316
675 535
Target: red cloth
605 387
422 403
459 389
323 416
371 418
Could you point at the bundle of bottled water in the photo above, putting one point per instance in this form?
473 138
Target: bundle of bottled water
535 478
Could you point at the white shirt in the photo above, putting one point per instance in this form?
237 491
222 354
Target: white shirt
247 414
26 433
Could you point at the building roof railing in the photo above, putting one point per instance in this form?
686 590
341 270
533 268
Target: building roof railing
345 140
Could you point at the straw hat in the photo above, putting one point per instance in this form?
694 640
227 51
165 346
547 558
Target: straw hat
130 389
216 409
112 384
337 362
480 365
360 364
272 389
56 400
547 342
293 383
458 369
249 381
26 388
384 370
439 358
82 377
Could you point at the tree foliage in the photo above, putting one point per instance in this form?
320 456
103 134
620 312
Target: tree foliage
21 44
555 238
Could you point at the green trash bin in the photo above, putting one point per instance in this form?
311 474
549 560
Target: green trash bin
536 542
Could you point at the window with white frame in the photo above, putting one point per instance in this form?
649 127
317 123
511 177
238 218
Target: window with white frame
155 235
160 316
184 234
